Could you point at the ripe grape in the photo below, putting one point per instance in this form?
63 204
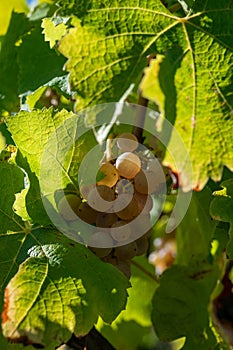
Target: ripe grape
127 251
145 182
128 165
86 213
101 252
68 206
144 202
127 142
121 202
124 186
130 211
100 198
111 175
142 245
140 225
85 190
100 240
106 219
124 267
120 231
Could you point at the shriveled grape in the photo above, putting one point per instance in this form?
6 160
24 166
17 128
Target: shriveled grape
111 175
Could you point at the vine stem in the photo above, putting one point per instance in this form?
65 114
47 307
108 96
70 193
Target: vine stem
149 274
141 113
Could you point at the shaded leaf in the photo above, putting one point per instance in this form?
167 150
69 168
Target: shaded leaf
82 287
221 209
136 318
9 67
195 232
180 305
43 64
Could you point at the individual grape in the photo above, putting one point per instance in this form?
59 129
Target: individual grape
128 165
142 245
86 213
124 186
100 239
145 202
101 252
100 198
85 190
127 142
120 231
130 211
68 206
121 202
127 251
140 226
124 267
111 175
106 219
145 182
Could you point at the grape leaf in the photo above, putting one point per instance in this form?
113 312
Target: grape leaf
181 289
9 67
105 56
221 209
195 232
83 287
52 32
50 155
53 258
5 12
190 103
43 63
136 318
12 182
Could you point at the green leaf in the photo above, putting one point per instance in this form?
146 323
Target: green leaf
43 64
52 32
81 285
5 12
9 67
105 56
24 129
195 232
20 205
221 209
108 58
12 182
180 305
195 89
136 318
51 157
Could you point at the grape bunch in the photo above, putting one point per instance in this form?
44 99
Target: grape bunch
118 206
